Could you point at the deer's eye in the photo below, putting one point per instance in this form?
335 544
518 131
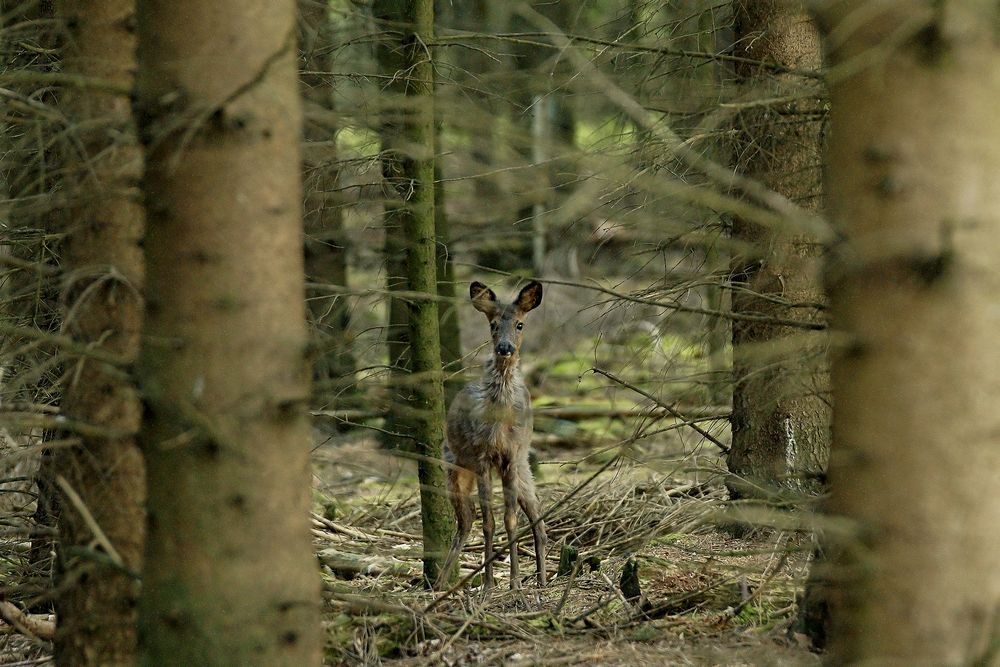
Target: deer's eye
493 326
520 325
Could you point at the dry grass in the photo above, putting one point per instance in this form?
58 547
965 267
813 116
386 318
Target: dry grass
708 598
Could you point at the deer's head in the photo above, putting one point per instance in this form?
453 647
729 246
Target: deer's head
506 320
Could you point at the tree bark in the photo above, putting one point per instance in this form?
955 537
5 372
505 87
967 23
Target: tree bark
781 408
410 165
231 577
915 471
103 295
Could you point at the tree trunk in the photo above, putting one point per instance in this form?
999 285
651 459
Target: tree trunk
915 474
781 408
410 164
99 585
231 577
326 241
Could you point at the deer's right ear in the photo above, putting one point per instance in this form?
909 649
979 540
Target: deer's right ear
483 298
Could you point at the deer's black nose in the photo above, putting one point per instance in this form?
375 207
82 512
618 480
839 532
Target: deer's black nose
505 349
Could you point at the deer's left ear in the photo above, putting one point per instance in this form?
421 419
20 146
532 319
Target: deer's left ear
529 297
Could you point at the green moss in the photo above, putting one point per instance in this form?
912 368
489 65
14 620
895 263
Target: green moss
669 538
604 133
646 633
360 141
387 633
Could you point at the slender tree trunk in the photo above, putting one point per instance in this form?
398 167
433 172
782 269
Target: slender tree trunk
915 474
99 585
410 163
326 242
781 408
231 577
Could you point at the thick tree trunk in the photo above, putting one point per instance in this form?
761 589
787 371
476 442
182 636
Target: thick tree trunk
781 408
231 577
103 261
915 473
410 168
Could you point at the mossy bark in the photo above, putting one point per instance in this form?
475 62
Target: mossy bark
231 577
915 470
410 166
96 606
781 405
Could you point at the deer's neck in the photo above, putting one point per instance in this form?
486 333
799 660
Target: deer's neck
503 384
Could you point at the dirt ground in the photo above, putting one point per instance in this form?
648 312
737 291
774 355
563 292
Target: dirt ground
707 598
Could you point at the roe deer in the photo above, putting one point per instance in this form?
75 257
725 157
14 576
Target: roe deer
489 426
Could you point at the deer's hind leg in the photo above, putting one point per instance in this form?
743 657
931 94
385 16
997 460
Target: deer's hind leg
460 482
528 499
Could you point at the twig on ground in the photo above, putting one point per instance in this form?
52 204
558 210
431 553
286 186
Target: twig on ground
26 624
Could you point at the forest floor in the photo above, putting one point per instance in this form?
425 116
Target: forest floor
707 597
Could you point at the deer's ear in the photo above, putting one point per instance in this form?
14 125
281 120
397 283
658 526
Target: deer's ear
483 298
529 297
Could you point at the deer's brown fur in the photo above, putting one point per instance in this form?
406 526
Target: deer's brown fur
489 428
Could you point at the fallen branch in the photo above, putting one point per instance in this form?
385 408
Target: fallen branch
31 625
349 565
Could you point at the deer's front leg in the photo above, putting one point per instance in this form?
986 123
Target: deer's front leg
485 503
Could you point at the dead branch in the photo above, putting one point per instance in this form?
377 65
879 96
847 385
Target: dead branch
31 625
